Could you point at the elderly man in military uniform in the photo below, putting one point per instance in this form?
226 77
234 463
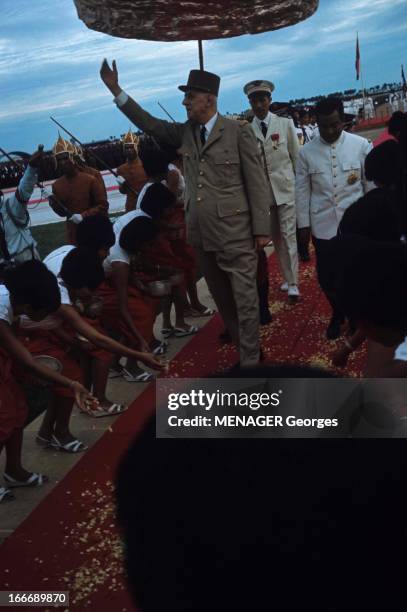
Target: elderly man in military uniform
329 178
278 145
226 200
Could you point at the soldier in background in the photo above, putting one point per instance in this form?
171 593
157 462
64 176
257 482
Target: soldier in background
369 109
80 194
132 171
394 102
278 145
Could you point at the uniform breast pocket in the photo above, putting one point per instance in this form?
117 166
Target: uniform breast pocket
227 169
352 172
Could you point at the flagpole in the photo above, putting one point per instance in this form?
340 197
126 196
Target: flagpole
360 73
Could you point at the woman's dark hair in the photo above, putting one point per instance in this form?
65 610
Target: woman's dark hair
396 123
137 232
155 161
32 283
82 268
387 163
95 232
156 199
383 163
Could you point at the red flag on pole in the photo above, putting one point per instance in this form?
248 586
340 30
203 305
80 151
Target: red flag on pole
357 62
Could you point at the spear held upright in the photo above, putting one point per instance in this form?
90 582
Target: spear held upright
99 159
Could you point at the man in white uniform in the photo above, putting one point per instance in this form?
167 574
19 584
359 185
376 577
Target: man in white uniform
329 178
278 145
369 108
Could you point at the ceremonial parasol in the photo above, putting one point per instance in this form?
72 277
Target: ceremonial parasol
177 20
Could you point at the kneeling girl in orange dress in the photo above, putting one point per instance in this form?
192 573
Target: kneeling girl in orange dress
29 290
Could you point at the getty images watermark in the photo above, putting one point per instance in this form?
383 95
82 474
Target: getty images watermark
275 408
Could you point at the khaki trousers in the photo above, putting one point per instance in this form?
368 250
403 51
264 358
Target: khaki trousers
231 278
283 235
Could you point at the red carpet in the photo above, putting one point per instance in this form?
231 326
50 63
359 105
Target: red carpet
70 541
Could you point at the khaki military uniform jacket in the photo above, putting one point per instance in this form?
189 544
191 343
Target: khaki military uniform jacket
227 198
279 151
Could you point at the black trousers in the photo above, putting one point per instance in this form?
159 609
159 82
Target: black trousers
326 271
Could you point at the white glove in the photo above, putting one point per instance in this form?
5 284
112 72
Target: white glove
77 218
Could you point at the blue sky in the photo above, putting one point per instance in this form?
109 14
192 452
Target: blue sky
49 65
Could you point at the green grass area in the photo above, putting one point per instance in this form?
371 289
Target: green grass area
49 237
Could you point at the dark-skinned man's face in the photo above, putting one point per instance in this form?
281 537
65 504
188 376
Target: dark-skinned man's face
260 103
65 164
130 152
330 126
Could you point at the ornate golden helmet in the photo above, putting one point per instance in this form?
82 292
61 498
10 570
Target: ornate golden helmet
79 153
131 140
62 147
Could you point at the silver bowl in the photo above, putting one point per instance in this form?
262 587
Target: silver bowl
158 288
176 279
94 309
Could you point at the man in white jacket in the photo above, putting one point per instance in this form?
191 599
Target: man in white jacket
278 145
329 178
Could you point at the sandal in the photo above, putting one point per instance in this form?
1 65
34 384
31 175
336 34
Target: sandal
35 480
111 410
166 332
114 373
5 495
179 332
142 377
208 312
160 349
76 446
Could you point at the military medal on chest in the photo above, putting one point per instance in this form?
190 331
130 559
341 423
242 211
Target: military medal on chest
353 177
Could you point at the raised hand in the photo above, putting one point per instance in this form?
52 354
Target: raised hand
36 157
110 77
